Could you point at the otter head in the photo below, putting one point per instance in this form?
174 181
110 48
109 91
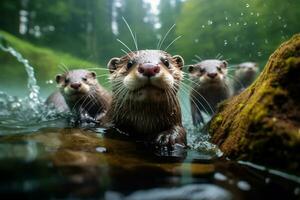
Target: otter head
247 69
76 82
146 75
209 71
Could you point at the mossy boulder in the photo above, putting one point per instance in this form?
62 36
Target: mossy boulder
262 124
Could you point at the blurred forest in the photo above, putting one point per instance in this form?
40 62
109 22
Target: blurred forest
240 30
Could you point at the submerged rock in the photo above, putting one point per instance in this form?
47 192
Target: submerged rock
262 124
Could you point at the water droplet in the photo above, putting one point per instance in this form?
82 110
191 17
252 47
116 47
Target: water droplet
256 23
245 23
297 191
226 18
257 14
252 43
203 26
243 185
220 177
242 14
237 23
267 180
49 82
225 42
209 22
247 5
251 13
101 149
196 40
229 24
266 41
279 17
284 26
259 54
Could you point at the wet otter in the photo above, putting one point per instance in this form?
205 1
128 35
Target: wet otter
80 92
144 102
209 87
244 75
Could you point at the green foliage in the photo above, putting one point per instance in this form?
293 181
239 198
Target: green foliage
46 63
240 30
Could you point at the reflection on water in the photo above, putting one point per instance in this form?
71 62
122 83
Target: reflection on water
41 157
66 163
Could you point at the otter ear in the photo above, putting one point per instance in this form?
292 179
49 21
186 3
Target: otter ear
191 68
93 74
225 63
255 64
112 64
58 78
179 60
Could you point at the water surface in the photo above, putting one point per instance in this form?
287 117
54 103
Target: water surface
43 155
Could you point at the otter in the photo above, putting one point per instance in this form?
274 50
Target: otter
144 100
209 87
244 75
80 93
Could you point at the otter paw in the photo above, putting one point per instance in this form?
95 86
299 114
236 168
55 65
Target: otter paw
165 139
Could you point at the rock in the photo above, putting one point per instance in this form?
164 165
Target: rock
262 124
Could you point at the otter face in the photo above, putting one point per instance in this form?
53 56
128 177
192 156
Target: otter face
247 69
146 75
209 71
76 82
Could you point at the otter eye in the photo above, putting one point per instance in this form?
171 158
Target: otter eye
219 68
166 62
202 70
130 64
84 79
67 81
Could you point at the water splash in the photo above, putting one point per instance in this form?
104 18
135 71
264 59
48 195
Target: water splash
27 113
31 81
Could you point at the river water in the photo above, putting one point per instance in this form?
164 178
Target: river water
43 156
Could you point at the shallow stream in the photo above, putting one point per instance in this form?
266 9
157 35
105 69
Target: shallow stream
41 155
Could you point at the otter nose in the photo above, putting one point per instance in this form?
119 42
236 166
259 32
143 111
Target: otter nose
212 75
148 69
75 86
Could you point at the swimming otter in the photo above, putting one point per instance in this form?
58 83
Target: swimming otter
244 75
144 102
80 93
209 87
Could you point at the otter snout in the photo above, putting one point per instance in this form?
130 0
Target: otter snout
75 86
148 69
212 75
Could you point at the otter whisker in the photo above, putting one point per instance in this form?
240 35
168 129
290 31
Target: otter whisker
166 35
219 56
195 61
127 54
186 89
234 79
129 28
62 69
124 45
73 108
65 66
97 68
102 75
173 42
198 57
210 107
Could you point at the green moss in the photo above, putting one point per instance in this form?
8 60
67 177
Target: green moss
261 124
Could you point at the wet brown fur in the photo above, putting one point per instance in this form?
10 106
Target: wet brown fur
94 100
157 119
